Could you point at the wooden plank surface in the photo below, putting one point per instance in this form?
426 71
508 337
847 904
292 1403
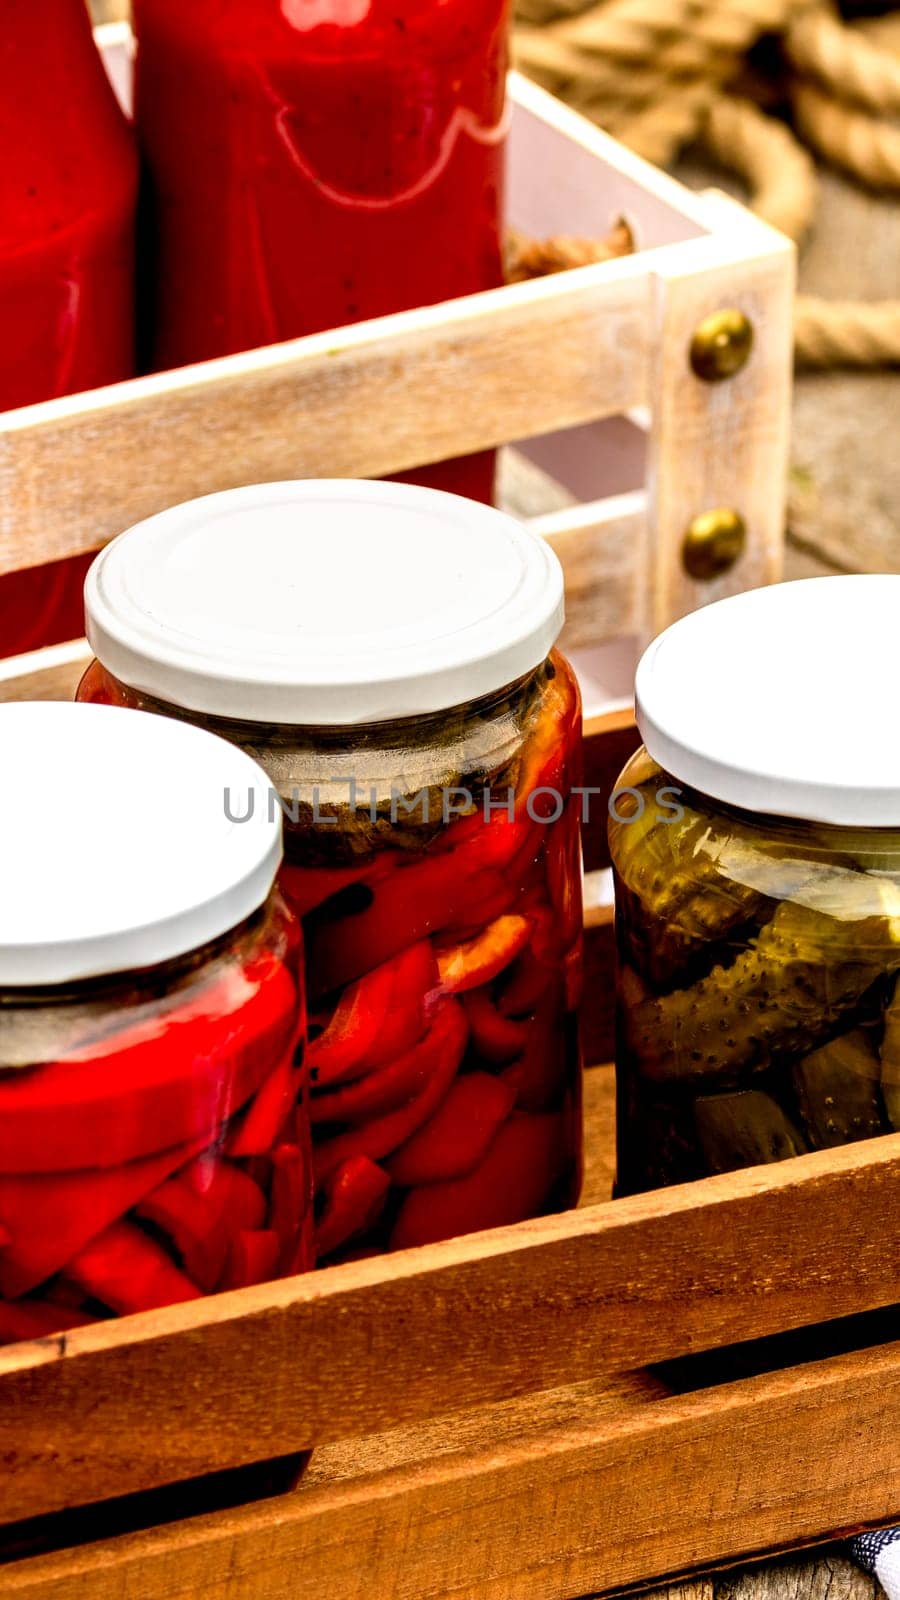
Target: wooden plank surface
365 401
720 444
563 1496
213 1385
51 674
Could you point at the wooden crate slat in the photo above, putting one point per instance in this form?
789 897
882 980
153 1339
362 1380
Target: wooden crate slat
50 674
609 741
366 401
600 547
404 1338
696 459
584 1497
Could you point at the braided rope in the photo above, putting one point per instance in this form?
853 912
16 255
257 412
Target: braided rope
844 61
653 73
865 146
846 333
781 174
538 258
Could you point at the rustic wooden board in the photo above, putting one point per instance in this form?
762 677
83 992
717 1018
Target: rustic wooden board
212 1385
561 1496
366 401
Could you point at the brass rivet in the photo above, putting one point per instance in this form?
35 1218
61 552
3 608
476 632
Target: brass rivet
713 542
721 345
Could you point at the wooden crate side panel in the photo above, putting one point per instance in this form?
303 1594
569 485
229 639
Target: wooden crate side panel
719 444
51 674
361 402
287 1366
601 548
609 742
567 176
616 1498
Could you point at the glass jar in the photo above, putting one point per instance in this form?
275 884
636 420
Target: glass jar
68 189
387 659
154 1129
756 848
313 163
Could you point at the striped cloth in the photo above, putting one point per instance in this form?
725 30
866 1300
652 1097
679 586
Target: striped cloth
879 1553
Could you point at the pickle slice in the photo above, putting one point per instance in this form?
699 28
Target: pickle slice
890 1061
672 896
746 1129
837 1088
785 994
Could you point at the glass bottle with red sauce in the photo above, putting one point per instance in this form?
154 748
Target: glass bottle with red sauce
386 654
68 188
313 163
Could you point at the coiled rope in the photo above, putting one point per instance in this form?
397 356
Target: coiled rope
660 74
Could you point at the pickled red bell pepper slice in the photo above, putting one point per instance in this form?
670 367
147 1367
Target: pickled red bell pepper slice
354 1196
309 887
395 1085
291 1208
526 984
478 842
459 1133
252 1258
128 1272
495 1038
563 857
480 960
412 903
513 1182
547 753
499 894
380 1138
201 1209
539 1076
376 1018
156 1083
257 1130
51 1216
37 1319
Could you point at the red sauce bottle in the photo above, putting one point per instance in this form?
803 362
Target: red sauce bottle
318 162
68 186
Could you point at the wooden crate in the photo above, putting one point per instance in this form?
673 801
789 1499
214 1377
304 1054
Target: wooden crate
586 372
488 1417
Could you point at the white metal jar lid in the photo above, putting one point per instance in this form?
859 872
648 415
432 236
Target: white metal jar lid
324 602
117 850
783 700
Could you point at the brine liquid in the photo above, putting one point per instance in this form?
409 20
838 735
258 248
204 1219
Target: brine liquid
154 1145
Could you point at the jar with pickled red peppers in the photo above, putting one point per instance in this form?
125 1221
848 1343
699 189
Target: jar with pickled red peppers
154 1128
387 656
312 163
756 846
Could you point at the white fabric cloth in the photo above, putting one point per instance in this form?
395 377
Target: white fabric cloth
879 1553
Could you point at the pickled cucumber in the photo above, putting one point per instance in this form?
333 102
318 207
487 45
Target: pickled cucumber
890 1060
672 898
837 1089
744 1130
786 993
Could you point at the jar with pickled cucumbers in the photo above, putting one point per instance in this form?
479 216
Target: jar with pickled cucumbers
154 1126
387 656
755 841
